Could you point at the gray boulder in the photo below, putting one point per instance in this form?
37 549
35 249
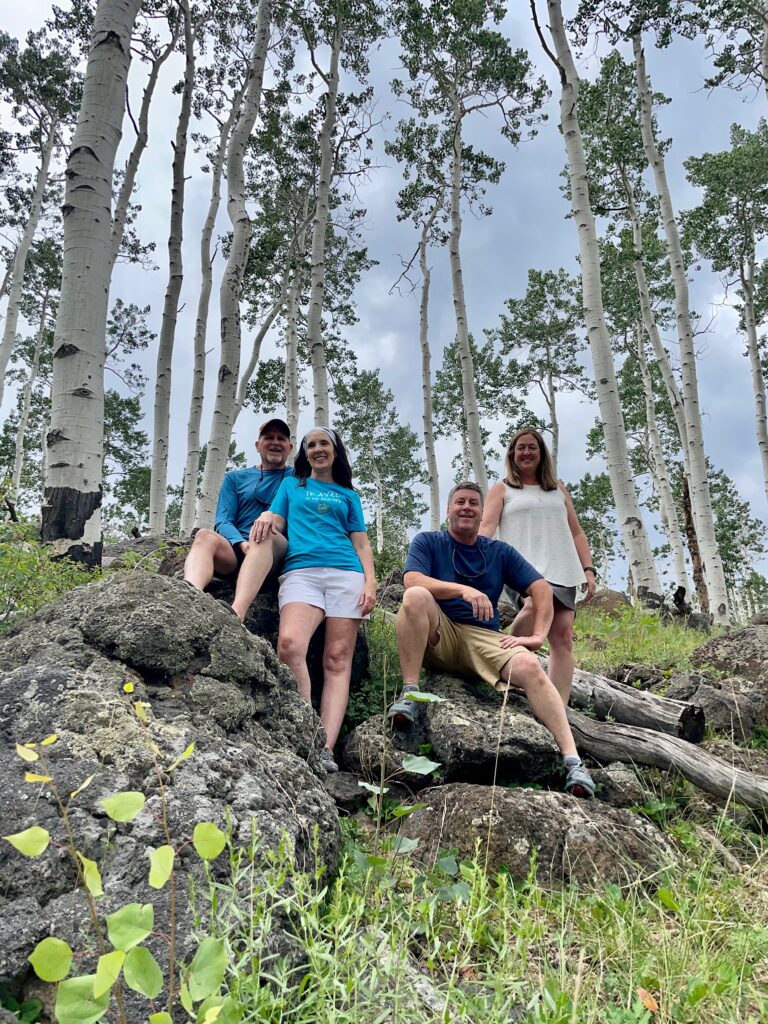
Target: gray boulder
201 678
568 840
742 652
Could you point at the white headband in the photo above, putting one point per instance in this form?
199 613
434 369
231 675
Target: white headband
326 430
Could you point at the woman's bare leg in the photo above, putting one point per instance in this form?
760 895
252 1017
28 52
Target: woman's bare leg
340 636
298 623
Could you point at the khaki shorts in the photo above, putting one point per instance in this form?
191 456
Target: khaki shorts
469 650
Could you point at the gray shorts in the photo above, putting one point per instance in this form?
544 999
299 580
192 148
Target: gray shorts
565 595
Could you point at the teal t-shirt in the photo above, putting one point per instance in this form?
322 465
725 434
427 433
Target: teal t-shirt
320 518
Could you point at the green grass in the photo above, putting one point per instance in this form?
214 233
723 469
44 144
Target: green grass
636 636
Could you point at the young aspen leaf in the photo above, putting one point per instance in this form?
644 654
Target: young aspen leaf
212 1014
208 840
124 806
34 777
51 959
76 1003
182 757
419 765
186 1000
91 876
26 754
107 971
161 866
128 687
142 972
81 787
141 714
31 842
49 740
207 970
161 1017
130 925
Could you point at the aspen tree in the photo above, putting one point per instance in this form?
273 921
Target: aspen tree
633 532
426 372
71 512
26 401
163 372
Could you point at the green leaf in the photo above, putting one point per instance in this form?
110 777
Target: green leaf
448 864
206 972
378 790
51 959
208 840
160 1018
91 876
76 1003
419 765
186 1000
403 810
107 971
124 806
142 972
161 866
31 842
401 844
422 697
667 898
221 1010
130 925
182 757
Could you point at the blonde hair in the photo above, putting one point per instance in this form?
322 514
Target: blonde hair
545 472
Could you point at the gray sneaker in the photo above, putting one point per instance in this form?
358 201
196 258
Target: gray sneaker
578 782
403 711
328 761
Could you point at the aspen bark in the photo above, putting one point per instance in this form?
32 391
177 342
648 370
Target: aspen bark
231 282
551 399
697 567
19 264
140 144
426 374
319 228
379 507
189 493
21 430
291 332
661 473
258 340
701 503
474 435
163 377
756 366
71 511
628 514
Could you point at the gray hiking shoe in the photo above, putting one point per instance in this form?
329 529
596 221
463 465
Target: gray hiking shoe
403 711
578 781
328 761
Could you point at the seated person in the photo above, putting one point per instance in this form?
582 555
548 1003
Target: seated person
244 495
449 620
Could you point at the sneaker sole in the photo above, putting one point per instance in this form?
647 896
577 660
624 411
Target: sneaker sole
580 791
400 719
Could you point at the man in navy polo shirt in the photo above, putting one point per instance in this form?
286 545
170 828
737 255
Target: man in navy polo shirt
244 495
449 620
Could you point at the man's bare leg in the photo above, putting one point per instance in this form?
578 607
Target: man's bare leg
258 561
417 621
210 553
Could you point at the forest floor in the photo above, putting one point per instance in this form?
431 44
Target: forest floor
388 940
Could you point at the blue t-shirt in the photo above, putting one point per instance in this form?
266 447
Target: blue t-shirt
486 565
320 518
244 495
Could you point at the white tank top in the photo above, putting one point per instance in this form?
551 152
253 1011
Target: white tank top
535 522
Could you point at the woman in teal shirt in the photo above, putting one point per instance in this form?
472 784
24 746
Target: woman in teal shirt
328 571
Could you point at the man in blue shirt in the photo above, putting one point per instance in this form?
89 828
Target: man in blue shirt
244 495
449 621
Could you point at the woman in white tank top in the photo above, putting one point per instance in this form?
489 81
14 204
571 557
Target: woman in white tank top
532 511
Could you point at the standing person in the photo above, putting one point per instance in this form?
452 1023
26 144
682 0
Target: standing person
449 620
534 513
328 571
244 495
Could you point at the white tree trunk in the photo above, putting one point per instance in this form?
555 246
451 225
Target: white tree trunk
21 430
662 484
551 398
291 333
319 228
229 292
162 410
134 159
628 514
74 443
426 374
474 434
258 340
379 508
758 378
701 503
189 493
19 263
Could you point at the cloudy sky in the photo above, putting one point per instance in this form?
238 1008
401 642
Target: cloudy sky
528 229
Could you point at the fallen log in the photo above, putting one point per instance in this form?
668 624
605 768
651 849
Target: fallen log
611 741
606 699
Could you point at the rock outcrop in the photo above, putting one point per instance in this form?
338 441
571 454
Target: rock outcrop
197 677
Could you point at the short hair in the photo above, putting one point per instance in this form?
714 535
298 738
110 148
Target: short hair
466 485
545 471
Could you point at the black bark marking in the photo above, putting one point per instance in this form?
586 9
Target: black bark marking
65 350
82 393
54 437
224 372
83 149
66 512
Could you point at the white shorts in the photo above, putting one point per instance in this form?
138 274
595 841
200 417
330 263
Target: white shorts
336 591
